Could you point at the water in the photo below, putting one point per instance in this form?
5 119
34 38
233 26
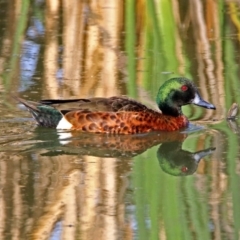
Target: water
72 185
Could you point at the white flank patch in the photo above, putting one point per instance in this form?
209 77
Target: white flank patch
64 124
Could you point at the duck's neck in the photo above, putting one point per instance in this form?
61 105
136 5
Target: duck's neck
166 101
169 109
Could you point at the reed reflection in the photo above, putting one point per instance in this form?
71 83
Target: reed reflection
96 169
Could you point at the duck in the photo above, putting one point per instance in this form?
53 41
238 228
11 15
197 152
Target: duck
120 114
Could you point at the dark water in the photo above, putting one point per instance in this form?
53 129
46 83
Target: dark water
72 185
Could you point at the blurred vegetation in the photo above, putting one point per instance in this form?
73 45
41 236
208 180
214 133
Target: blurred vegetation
52 49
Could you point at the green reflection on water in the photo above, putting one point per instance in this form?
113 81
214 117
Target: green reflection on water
16 49
232 159
167 204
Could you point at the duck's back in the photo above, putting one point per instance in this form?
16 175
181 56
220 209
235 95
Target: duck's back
112 104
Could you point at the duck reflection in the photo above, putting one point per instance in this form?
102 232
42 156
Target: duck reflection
172 158
178 162
85 183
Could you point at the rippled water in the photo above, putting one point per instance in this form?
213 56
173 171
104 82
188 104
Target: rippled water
72 185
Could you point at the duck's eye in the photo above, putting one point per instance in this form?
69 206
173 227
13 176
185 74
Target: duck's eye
184 169
184 88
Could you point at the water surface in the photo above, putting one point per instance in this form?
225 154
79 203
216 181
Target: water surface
71 185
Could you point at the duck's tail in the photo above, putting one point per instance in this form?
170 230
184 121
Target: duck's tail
44 115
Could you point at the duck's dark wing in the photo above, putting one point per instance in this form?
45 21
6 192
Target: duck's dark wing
112 104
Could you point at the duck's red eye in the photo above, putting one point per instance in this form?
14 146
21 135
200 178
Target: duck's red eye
184 88
184 169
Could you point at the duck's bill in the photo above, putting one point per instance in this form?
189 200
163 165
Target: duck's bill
200 102
203 153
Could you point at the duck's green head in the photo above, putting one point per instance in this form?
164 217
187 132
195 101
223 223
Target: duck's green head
175 93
